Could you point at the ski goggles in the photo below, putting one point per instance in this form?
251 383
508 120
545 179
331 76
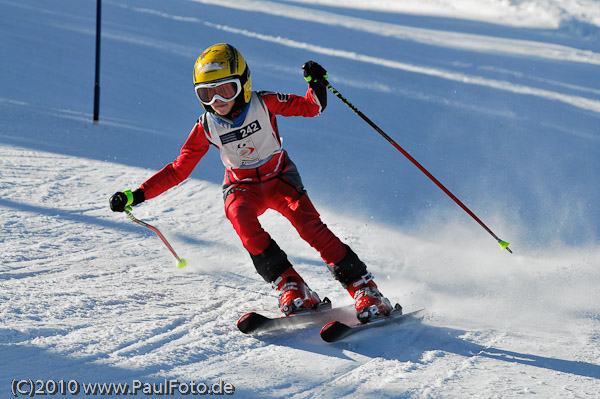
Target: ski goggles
224 90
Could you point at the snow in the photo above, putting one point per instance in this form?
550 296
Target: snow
499 100
521 13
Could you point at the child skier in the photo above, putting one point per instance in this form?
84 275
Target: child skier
259 175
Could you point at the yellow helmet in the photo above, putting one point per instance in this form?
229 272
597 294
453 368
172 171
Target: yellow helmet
223 62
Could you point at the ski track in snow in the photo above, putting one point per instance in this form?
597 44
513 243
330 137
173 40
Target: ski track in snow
86 294
463 41
66 292
525 13
436 38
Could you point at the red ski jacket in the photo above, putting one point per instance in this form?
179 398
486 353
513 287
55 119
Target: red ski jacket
240 145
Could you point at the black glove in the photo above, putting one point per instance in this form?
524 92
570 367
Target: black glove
315 74
122 199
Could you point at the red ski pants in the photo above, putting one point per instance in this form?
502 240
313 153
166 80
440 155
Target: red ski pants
248 201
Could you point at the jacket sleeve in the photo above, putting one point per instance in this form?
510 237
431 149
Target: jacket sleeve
293 105
177 171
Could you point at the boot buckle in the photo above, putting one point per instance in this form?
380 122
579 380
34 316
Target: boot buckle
363 280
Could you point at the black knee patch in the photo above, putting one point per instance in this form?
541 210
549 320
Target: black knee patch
349 269
271 262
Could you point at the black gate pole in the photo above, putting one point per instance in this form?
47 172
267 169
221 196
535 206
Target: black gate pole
97 79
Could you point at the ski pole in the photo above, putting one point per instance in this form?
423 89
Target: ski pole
503 244
181 262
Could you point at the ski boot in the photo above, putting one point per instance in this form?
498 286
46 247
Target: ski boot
368 301
295 296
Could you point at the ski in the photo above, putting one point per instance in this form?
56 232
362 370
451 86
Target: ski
336 330
255 322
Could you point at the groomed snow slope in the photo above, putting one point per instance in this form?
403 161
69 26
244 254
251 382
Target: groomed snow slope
505 114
